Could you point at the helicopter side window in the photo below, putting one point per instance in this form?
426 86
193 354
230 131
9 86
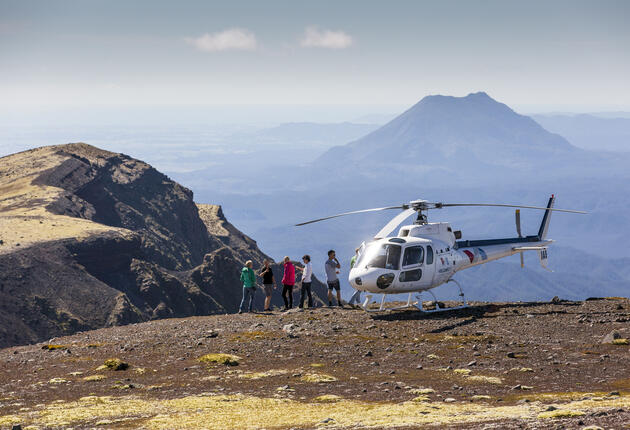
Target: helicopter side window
386 257
414 255
429 254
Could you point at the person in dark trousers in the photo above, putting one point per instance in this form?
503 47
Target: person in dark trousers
248 278
268 283
356 297
288 281
332 267
307 273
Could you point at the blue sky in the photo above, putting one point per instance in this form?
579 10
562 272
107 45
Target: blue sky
536 55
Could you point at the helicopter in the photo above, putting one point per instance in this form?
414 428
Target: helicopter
425 255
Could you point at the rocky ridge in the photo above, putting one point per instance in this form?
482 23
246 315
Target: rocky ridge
91 238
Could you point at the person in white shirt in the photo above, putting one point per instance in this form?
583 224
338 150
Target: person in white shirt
307 273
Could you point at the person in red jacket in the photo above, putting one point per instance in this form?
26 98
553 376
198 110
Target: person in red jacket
288 281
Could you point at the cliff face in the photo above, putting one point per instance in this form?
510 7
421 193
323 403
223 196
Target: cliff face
91 238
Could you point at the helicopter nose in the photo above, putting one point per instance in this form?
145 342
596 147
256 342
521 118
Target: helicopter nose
371 280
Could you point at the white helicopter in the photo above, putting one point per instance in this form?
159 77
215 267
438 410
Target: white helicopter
426 255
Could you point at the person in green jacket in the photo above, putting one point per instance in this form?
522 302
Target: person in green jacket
248 278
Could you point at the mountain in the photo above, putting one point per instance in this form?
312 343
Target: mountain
91 238
590 131
449 133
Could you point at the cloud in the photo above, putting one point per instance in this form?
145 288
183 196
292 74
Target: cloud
227 40
316 38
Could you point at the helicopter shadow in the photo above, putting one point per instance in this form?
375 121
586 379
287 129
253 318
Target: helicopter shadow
471 313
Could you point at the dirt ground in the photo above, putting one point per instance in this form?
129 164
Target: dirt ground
500 365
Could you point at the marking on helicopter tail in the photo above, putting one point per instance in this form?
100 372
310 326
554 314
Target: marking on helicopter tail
470 255
484 256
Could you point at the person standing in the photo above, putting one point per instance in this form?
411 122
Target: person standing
332 267
288 281
268 284
248 278
356 297
307 273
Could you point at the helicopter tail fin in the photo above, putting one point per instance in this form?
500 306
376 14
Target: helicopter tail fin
544 225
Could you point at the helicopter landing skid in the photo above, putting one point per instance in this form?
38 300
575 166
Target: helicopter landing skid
463 305
382 308
416 304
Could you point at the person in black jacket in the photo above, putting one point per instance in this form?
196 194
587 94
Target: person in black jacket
268 283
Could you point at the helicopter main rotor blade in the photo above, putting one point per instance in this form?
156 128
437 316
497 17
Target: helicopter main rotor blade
353 212
395 222
441 205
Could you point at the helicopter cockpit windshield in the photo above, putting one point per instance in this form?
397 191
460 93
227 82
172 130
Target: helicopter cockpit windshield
381 255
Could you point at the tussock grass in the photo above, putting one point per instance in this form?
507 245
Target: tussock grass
248 412
327 398
422 391
260 375
485 379
318 377
226 359
94 378
54 347
478 397
560 413
115 364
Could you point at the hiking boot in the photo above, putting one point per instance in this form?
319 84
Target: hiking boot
240 311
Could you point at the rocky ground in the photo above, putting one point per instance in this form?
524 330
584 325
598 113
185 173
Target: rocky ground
503 365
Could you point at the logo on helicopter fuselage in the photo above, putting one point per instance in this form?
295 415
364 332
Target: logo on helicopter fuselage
477 253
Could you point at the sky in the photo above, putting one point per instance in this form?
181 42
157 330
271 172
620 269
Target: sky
537 56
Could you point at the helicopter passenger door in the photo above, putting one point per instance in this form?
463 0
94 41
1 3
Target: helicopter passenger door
413 272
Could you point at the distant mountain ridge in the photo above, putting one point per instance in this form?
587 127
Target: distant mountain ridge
590 131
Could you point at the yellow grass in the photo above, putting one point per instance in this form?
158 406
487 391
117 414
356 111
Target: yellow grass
94 378
318 377
24 219
327 398
486 379
480 397
422 391
54 347
248 412
560 413
260 375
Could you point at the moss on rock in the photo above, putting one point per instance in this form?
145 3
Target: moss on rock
216 358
